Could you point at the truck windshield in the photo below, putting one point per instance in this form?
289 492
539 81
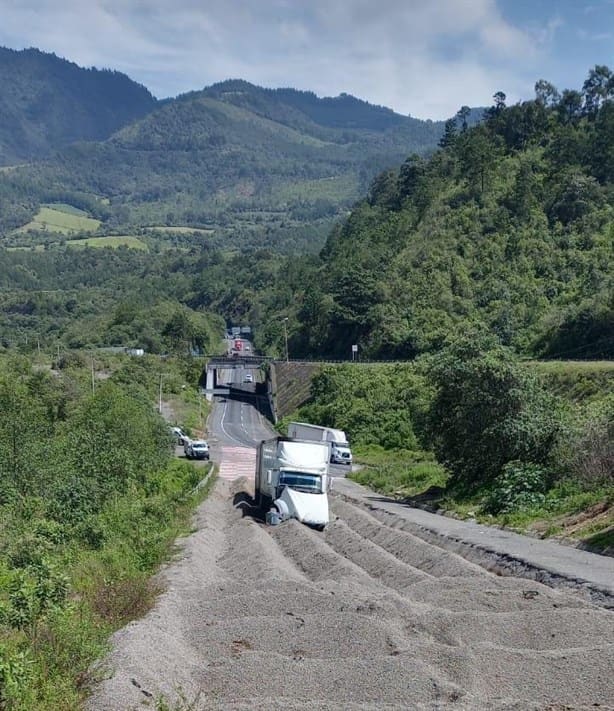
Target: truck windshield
302 482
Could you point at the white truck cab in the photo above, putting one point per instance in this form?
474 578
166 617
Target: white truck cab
340 452
292 480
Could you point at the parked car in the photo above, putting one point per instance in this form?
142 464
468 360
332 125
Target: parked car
179 435
196 449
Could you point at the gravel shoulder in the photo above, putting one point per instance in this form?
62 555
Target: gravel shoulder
366 615
500 550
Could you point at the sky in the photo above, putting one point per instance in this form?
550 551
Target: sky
425 58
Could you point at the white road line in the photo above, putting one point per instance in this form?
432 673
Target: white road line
224 429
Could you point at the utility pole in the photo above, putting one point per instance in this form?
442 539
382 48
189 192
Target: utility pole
160 396
93 378
285 321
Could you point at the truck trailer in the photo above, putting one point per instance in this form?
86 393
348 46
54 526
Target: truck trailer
340 452
292 480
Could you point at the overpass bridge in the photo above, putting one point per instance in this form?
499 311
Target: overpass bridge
215 383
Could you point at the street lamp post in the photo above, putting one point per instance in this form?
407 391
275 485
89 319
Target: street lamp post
160 396
285 322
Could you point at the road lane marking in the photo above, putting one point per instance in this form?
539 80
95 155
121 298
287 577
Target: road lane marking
237 462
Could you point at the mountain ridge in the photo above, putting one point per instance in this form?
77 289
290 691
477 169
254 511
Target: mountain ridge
248 161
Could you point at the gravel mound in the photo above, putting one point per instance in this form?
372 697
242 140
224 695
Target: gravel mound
364 615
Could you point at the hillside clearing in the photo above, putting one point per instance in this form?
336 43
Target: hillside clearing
52 219
113 242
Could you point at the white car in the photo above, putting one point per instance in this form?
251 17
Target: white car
249 378
196 449
179 435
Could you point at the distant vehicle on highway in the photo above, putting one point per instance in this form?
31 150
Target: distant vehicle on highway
196 449
249 378
340 452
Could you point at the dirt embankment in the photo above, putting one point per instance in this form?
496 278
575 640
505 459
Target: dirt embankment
362 616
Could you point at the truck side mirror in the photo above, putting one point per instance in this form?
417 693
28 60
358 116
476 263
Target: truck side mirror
269 476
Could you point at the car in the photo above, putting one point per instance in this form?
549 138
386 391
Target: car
196 449
249 378
179 435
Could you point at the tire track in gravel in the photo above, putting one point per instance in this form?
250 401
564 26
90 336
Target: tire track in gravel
364 615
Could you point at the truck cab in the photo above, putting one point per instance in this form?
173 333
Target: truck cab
292 480
340 453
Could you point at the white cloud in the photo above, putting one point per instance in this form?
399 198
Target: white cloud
424 57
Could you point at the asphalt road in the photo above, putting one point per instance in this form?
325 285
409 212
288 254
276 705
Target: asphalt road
372 614
234 420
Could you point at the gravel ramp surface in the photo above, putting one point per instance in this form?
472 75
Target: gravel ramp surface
364 615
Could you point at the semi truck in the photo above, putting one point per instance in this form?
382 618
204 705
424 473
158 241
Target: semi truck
340 452
292 480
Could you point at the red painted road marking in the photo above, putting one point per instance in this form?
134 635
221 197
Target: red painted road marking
237 462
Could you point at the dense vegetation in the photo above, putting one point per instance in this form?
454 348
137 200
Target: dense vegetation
90 503
474 429
508 226
109 297
259 167
47 102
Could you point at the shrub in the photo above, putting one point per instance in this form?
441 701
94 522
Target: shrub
521 485
15 673
488 410
590 451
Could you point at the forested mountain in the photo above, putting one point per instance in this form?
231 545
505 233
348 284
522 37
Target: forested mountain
312 114
262 167
47 102
507 228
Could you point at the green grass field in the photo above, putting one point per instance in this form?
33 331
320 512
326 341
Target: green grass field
66 208
181 230
115 241
577 381
59 219
341 187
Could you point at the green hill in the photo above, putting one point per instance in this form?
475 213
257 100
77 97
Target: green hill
507 228
47 102
261 167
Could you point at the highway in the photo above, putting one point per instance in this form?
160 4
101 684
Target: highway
370 614
236 422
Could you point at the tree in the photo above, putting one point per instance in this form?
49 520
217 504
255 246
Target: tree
570 106
462 114
410 175
597 88
499 98
546 93
488 411
449 134
477 155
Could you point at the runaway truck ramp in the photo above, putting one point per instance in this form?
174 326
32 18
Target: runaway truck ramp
362 616
500 551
